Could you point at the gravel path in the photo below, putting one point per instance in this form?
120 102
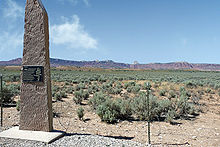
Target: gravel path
73 141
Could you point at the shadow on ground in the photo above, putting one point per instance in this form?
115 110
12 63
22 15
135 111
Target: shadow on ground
116 137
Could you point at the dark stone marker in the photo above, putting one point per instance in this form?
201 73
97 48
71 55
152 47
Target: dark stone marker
36 100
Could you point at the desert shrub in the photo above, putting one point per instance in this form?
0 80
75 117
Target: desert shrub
135 89
106 85
113 90
18 105
200 92
80 113
140 107
208 90
184 107
172 94
87 81
93 88
7 95
129 89
184 92
108 111
55 89
9 91
182 89
79 96
125 85
69 90
157 84
192 109
102 79
58 96
63 94
109 90
98 98
190 84
80 86
14 88
83 94
124 107
111 111
67 83
171 114
117 90
118 85
155 110
216 86
90 91
212 92
160 109
125 95
75 81
86 94
129 84
162 92
165 105
195 100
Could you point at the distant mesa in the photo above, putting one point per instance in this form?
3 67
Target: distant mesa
136 62
109 64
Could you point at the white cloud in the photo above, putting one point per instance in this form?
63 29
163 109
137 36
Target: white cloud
75 2
86 2
13 10
73 35
10 42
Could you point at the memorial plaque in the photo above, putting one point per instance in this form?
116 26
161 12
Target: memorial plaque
33 73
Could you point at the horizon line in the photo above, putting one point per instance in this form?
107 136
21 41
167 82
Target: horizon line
119 61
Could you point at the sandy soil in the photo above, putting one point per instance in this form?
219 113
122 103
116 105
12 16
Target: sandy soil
204 130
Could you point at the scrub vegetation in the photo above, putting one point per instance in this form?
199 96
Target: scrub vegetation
116 95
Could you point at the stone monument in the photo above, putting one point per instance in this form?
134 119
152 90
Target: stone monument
36 100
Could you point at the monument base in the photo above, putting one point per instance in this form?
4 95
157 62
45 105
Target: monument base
41 136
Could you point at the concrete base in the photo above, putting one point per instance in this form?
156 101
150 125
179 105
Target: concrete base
41 136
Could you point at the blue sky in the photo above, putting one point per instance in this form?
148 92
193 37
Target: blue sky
120 30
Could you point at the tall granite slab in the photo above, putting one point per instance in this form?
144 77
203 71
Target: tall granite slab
36 100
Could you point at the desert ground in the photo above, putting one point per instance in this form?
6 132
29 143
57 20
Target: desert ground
202 129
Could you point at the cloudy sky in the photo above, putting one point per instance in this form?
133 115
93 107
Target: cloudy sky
120 30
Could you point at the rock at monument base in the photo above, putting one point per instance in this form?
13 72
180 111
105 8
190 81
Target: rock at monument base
36 100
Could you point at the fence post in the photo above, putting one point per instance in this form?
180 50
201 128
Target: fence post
1 101
148 110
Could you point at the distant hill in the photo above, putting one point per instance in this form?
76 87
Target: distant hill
59 62
13 62
109 64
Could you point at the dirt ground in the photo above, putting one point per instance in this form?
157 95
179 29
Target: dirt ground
203 130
